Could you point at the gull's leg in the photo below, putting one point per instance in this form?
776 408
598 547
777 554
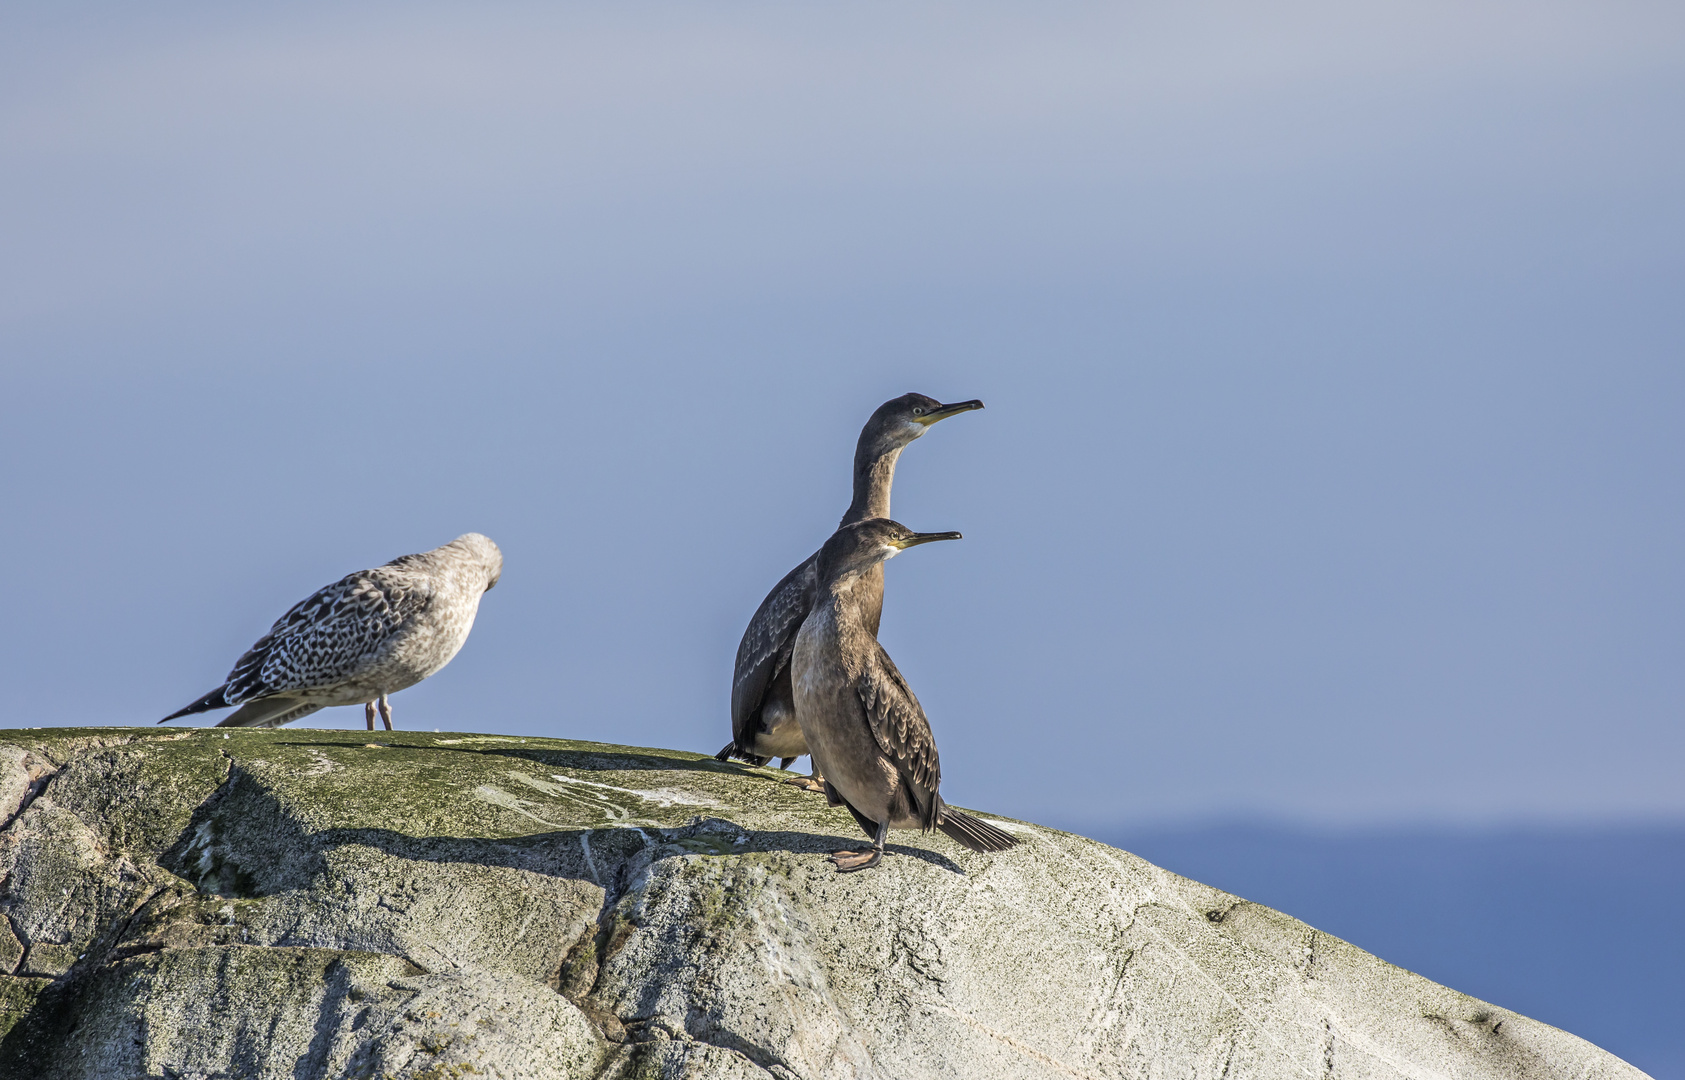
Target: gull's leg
368 713
385 713
849 861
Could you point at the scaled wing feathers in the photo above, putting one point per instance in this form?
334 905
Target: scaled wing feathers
327 636
899 724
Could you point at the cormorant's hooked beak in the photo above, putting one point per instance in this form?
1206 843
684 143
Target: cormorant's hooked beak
924 538
942 412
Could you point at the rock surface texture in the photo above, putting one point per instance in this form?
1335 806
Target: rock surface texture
296 904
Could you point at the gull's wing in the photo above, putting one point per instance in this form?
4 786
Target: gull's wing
327 636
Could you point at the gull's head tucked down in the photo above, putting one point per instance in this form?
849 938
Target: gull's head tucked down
482 553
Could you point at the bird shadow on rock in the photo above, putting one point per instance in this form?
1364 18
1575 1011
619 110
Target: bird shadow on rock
600 761
588 760
806 843
245 842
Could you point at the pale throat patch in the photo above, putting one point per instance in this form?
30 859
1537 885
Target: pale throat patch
890 551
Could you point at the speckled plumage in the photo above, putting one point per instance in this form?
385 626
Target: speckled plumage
763 719
368 635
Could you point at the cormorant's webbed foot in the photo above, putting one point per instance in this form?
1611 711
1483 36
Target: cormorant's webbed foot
849 861
814 784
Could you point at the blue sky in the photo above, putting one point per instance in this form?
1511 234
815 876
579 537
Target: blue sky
1332 465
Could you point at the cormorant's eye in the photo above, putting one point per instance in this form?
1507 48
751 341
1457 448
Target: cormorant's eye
918 410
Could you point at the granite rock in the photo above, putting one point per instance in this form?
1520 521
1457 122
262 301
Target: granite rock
298 904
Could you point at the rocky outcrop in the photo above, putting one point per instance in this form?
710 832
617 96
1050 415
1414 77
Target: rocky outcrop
298 904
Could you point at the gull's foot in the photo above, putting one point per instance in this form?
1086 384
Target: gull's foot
849 861
808 783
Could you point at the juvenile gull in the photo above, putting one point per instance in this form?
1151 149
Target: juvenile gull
864 727
361 639
763 718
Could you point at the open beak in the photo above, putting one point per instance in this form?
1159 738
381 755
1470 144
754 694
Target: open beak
924 538
942 412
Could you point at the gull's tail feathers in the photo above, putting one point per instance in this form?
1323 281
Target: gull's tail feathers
268 712
212 700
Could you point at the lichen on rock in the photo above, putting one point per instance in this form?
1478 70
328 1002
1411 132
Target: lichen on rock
296 903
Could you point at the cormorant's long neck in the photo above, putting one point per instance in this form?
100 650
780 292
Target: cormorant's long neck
874 474
856 601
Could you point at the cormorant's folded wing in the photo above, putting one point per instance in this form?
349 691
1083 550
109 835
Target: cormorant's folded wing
768 642
901 729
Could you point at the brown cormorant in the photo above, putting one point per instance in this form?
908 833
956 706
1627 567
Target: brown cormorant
763 719
866 731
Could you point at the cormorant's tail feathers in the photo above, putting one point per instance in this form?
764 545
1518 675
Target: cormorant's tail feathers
212 700
974 833
732 750
268 712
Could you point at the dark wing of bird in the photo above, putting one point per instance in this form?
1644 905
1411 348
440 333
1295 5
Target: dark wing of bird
902 731
768 642
328 635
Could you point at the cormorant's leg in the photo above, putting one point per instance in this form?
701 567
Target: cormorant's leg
849 861
368 713
784 762
814 783
385 713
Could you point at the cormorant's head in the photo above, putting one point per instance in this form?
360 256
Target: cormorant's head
899 421
864 544
486 554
